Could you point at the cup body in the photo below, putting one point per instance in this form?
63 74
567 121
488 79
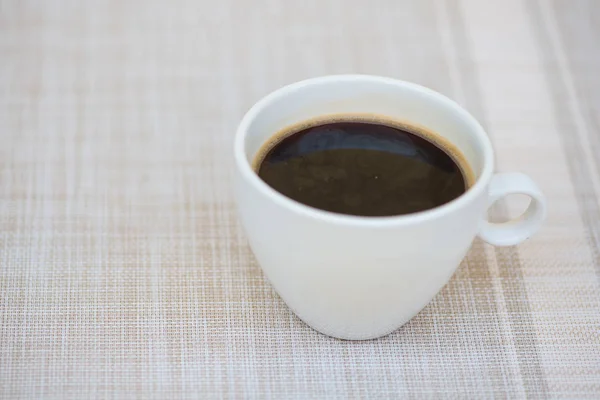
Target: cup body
347 276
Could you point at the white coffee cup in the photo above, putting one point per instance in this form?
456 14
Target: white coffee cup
355 277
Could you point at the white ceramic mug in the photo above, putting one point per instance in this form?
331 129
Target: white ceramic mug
356 277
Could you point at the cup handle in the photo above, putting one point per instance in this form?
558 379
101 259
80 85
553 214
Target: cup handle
519 229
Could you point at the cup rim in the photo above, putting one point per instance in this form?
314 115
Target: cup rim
247 172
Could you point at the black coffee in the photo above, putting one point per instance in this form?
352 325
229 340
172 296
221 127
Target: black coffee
363 166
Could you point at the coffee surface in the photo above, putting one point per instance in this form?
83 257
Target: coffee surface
365 167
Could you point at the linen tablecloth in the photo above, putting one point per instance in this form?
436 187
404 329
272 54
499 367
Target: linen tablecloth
124 272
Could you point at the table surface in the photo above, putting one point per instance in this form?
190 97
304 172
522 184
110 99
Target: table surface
123 269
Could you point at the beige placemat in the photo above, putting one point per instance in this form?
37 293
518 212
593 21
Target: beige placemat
123 269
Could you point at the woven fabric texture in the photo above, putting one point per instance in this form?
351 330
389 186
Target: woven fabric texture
124 272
